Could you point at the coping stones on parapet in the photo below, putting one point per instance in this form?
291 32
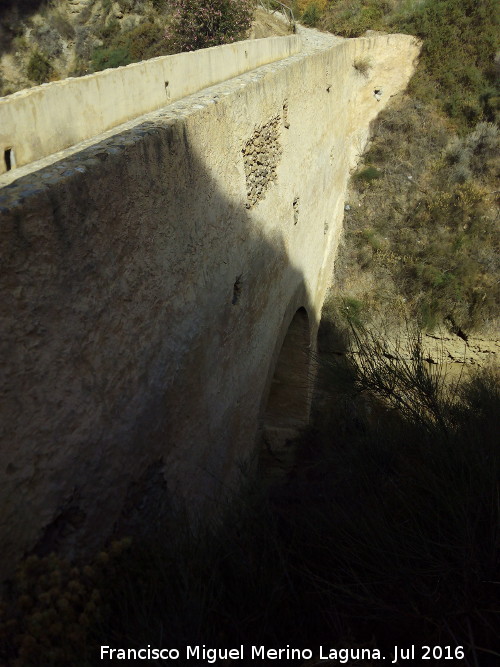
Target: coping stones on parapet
58 166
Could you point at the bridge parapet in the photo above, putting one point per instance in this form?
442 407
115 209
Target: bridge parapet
39 121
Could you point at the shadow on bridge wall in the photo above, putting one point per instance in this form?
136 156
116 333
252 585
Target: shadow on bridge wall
148 284
146 306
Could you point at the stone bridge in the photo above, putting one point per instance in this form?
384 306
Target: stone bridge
162 279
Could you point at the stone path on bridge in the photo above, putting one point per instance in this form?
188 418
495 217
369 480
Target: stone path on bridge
313 40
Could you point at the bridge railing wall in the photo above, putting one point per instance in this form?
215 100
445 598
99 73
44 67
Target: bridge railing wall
45 119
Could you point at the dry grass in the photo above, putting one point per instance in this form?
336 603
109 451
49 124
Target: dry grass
363 65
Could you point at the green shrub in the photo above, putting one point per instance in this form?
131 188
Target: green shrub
144 41
311 15
109 30
476 154
79 68
48 40
368 174
372 238
484 146
84 43
39 68
460 39
112 57
362 65
85 14
353 310
197 24
141 42
428 230
62 25
351 18
447 270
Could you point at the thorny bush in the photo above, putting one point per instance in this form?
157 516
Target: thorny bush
198 24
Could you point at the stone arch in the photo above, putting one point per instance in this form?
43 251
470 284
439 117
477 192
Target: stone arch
289 395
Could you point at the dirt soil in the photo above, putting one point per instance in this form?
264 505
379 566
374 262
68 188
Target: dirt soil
266 24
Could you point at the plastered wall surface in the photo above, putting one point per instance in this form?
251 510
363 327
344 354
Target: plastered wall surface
48 118
148 281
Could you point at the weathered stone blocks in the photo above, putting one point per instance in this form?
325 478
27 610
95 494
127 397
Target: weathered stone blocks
261 155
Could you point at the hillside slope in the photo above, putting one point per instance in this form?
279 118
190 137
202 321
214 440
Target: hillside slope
421 224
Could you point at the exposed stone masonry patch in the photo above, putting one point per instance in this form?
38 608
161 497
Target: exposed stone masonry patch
261 155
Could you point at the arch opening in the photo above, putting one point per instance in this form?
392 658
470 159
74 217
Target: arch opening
289 399
289 396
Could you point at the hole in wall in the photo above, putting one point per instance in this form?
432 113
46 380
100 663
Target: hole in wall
9 158
61 531
236 290
11 469
296 202
147 503
167 91
288 402
285 114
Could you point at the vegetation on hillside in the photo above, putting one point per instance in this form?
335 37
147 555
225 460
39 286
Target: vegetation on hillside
421 228
196 24
422 223
457 70
75 41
